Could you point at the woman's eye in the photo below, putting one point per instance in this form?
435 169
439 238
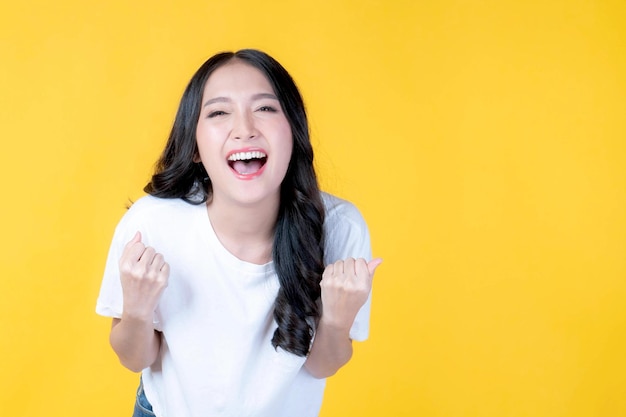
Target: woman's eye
216 113
267 108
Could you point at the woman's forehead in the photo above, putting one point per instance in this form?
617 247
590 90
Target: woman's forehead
237 76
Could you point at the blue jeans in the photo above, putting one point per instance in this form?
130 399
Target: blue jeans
143 408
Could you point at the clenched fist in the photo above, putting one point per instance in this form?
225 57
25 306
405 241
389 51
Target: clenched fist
144 275
345 287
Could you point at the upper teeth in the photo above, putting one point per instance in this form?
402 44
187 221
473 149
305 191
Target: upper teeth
242 156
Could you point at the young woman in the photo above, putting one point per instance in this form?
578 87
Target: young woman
237 286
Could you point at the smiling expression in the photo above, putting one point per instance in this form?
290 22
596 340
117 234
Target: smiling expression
244 138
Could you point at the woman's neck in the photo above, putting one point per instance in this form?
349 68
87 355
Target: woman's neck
245 231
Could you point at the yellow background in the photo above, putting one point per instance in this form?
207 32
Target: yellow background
484 142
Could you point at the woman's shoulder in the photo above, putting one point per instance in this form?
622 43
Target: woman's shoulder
150 207
339 210
345 229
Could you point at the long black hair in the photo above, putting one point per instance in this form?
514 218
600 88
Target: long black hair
298 247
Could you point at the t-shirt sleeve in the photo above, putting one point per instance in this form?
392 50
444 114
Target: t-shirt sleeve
110 301
347 236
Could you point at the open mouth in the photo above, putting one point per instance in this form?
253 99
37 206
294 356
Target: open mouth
247 163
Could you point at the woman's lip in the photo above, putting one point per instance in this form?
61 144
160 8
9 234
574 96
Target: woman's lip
242 150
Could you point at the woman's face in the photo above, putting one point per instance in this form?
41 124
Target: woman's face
244 138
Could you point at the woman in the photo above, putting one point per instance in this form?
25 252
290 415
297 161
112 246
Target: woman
236 287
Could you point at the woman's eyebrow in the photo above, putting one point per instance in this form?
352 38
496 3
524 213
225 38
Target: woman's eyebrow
216 100
258 96
264 95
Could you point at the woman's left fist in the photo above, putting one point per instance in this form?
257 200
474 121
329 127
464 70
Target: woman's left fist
345 285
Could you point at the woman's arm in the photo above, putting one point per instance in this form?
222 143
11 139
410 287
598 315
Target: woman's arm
332 348
135 342
345 287
144 275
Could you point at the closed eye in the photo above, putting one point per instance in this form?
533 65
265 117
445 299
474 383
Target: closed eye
268 109
216 113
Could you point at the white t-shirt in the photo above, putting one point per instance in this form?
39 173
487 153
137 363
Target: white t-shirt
216 315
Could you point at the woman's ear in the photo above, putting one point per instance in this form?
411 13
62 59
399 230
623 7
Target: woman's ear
196 158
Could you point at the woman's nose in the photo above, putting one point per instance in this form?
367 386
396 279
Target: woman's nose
244 126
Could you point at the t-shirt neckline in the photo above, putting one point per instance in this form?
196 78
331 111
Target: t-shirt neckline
206 225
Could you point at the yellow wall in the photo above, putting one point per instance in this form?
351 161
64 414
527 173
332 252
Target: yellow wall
484 141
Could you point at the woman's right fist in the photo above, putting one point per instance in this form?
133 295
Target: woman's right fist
144 275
